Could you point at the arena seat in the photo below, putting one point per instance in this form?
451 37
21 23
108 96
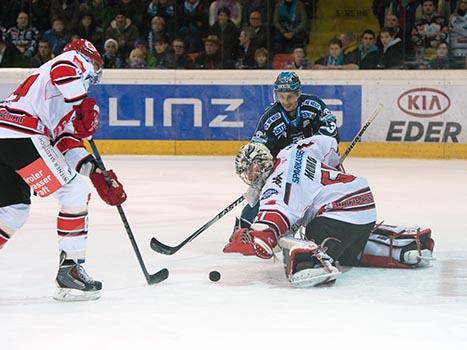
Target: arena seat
281 60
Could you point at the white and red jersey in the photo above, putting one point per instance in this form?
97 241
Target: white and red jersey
43 102
305 185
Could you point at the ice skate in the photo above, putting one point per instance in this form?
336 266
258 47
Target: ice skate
418 259
74 284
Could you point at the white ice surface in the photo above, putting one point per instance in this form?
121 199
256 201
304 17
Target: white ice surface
252 306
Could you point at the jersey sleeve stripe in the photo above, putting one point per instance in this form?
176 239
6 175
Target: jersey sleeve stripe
77 98
66 80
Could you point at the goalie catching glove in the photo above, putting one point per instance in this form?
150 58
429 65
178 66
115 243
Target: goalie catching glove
258 241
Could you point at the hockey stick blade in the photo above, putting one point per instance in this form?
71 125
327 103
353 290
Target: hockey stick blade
162 248
159 276
168 250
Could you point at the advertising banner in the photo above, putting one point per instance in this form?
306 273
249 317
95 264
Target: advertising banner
422 114
205 112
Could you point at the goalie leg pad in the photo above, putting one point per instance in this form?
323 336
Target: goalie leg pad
398 247
306 263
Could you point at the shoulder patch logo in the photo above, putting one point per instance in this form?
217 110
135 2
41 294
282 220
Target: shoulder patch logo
268 193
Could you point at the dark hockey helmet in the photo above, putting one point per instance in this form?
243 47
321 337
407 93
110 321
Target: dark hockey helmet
86 48
287 82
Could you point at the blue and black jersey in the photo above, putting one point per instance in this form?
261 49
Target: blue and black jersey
277 130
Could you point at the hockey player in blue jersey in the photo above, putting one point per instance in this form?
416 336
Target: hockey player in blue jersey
292 117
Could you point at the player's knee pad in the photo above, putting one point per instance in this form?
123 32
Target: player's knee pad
74 196
398 247
12 218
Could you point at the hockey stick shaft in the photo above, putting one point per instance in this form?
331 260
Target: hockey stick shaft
151 279
362 130
168 250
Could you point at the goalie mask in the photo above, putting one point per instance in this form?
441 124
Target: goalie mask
254 163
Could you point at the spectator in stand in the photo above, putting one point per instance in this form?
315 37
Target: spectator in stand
428 31
335 58
379 8
261 38
23 36
10 9
161 53
136 59
391 56
101 12
262 60
39 14
158 31
44 54
290 22
68 11
192 24
406 13
234 7
441 61
177 58
210 58
246 52
56 36
164 9
111 57
88 30
366 55
228 33
142 46
134 10
349 42
122 30
264 7
10 56
300 61
458 35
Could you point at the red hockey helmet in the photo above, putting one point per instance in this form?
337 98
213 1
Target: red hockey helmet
86 48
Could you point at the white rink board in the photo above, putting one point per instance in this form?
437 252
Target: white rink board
417 112
252 306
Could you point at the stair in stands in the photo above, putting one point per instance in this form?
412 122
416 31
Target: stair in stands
338 16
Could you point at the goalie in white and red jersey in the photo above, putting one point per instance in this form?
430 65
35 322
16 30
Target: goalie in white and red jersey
42 125
303 188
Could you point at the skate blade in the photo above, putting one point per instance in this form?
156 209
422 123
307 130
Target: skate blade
307 278
67 294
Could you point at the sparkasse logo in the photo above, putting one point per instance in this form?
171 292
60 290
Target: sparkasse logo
424 102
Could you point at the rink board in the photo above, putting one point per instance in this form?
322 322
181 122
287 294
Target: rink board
215 112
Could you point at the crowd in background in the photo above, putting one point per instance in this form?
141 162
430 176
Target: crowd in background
232 34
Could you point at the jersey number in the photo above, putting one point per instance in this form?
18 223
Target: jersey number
340 178
24 87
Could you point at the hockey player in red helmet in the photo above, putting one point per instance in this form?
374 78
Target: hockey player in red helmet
42 127
87 49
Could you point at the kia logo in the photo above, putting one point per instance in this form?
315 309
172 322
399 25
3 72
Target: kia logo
424 102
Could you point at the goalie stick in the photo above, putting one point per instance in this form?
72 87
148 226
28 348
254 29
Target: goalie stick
169 250
151 279
362 130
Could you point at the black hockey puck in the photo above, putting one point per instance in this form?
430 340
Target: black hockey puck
214 276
